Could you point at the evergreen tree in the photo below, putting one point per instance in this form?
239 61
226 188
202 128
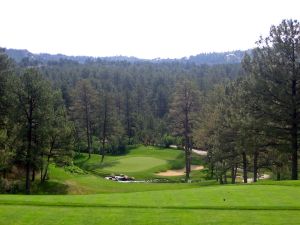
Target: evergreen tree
183 111
32 110
275 67
84 110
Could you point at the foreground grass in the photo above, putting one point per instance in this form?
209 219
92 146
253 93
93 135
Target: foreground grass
111 203
212 197
32 215
231 204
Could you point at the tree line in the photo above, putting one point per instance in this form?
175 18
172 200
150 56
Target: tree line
252 122
245 115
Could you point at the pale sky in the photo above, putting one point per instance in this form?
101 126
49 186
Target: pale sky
141 28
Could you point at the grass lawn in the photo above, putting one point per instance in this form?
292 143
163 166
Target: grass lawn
32 215
142 162
230 204
100 201
92 183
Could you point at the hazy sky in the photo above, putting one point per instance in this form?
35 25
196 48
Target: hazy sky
142 28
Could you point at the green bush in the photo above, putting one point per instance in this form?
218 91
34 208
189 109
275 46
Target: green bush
74 169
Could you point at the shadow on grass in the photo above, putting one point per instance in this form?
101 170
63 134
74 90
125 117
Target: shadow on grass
50 187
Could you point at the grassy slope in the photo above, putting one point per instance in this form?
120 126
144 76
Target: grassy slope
141 162
91 184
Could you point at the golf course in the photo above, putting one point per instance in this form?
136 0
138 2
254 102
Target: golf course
86 197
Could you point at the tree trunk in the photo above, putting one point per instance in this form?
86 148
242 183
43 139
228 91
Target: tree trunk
225 178
221 179
295 151
255 166
42 167
48 160
211 170
278 175
245 167
187 167
233 174
33 175
294 131
29 146
87 124
104 131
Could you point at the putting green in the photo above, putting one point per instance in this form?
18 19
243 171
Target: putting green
133 164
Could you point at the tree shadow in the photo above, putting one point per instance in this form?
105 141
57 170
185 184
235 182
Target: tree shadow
50 188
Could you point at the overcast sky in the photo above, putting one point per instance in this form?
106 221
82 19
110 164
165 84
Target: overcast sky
141 28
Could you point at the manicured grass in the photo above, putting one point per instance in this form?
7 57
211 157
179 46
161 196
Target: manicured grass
133 164
230 204
90 184
142 162
210 197
32 215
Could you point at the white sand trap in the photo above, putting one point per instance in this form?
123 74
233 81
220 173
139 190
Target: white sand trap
181 172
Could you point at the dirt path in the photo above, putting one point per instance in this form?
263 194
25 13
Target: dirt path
262 177
199 152
196 151
181 172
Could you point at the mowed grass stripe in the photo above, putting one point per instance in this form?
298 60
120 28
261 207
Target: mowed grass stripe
280 208
212 197
32 215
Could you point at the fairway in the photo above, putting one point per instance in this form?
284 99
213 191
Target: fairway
134 216
241 204
133 164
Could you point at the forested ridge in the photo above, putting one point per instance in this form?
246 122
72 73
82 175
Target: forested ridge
245 115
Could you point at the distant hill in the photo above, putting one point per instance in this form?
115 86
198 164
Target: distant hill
20 55
219 58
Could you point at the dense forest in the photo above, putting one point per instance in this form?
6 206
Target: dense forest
244 113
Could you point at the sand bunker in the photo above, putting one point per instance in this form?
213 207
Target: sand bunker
181 172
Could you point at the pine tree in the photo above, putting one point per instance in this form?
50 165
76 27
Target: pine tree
183 111
275 68
83 109
32 109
